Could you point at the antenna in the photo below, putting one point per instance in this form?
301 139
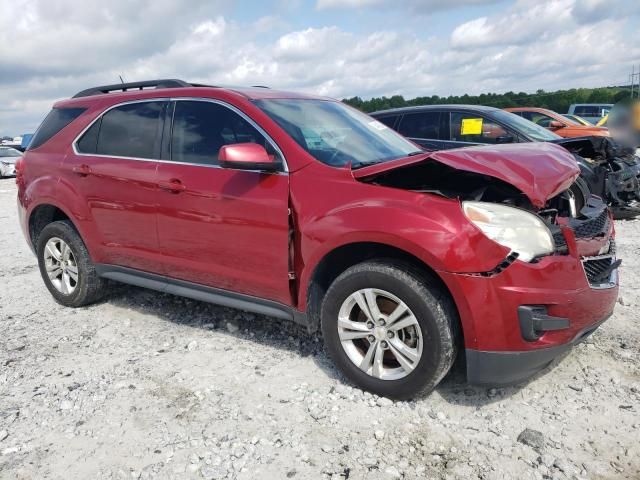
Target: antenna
121 80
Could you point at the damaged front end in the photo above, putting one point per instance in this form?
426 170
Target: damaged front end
557 282
539 181
610 170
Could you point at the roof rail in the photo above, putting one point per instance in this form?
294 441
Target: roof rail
123 87
260 86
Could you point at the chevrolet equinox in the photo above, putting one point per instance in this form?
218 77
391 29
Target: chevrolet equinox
302 208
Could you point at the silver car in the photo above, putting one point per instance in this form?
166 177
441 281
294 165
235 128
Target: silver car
8 158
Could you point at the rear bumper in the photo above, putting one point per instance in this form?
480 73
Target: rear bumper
508 368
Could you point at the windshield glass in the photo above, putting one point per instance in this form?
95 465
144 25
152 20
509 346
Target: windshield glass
571 120
336 134
9 152
530 129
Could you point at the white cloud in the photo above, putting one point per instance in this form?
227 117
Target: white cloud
529 45
422 6
527 22
324 4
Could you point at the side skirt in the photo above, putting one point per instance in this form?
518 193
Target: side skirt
202 293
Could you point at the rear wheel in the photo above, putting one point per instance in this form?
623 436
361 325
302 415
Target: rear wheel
389 329
66 267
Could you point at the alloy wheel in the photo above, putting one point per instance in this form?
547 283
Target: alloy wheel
61 266
380 334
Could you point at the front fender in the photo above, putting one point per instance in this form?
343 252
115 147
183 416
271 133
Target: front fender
432 229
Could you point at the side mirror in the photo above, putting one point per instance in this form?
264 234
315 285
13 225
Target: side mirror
505 139
247 156
555 124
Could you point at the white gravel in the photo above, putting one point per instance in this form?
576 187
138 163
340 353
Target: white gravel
145 385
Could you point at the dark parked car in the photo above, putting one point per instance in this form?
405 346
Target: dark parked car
607 169
305 209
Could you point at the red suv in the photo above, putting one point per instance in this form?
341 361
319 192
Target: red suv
302 208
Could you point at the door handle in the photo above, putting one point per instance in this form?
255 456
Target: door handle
82 170
174 186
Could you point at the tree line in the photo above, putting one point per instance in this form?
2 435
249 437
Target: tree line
558 101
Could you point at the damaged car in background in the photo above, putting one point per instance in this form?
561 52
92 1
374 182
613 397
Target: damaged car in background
305 209
608 169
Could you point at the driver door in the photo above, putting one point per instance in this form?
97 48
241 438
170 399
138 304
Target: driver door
220 227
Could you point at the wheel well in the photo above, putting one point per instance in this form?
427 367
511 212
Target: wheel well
42 216
340 259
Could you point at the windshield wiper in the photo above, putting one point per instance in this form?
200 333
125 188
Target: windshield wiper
356 165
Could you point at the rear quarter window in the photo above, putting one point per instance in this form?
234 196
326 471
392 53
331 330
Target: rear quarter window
56 120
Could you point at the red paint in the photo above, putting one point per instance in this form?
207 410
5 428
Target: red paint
249 156
229 228
539 170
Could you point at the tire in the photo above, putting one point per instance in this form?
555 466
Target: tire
431 339
581 193
88 287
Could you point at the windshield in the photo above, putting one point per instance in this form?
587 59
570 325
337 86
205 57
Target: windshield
530 129
336 134
572 120
9 152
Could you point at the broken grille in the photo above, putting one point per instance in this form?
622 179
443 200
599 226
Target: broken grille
593 227
595 268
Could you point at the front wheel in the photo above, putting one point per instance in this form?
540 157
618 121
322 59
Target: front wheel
389 329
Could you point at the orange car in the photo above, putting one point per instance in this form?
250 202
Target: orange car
557 123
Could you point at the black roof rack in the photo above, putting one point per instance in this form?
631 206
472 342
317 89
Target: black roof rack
123 87
260 86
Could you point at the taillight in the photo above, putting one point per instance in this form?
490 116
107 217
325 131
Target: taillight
19 171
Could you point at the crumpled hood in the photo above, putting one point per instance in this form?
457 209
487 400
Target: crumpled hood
539 170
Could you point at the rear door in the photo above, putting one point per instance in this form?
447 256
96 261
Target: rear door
113 168
221 227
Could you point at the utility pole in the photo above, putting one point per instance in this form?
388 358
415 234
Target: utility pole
635 90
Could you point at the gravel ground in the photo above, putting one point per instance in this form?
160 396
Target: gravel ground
145 385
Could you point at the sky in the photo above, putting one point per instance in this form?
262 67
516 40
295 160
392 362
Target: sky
51 49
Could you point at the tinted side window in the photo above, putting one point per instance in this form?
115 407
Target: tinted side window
587 111
469 127
389 121
132 130
200 129
56 120
421 125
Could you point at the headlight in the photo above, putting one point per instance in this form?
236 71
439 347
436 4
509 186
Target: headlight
511 227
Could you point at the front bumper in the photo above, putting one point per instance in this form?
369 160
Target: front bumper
517 320
508 368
